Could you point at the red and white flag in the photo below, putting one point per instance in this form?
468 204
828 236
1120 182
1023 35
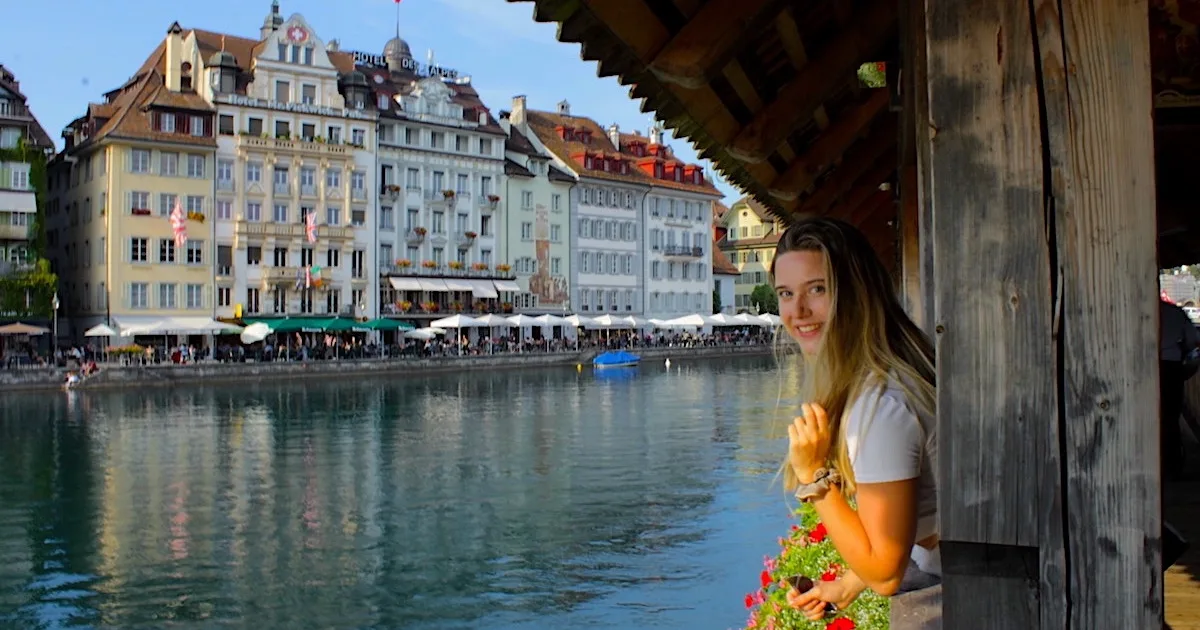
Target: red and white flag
179 224
310 226
308 277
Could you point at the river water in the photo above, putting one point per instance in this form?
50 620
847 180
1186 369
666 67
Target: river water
548 498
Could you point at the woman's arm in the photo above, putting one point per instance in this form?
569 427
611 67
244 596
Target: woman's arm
876 541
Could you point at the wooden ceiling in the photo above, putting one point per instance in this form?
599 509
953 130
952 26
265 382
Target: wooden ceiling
768 91
765 89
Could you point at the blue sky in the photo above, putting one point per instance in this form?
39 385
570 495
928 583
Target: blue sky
67 53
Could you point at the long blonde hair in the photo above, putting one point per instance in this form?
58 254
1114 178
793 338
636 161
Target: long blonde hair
869 340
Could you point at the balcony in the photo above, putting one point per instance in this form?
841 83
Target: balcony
414 237
282 188
293 146
390 192
272 276
680 251
16 232
290 230
465 240
489 204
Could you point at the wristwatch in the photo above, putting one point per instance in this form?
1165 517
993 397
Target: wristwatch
823 479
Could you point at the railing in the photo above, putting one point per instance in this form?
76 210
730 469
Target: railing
464 241
683 251
290 230
413 237
285 275
444 272
303 146
282 188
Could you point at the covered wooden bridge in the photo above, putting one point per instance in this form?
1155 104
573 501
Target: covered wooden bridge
1008 172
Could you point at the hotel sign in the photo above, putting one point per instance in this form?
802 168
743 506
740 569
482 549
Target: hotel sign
408 64
297 108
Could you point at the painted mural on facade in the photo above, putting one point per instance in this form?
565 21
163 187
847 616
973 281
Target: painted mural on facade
551 290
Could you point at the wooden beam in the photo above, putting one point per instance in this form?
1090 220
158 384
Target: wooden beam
795 103
867 155
710 40
1095 58
864 211
866 187
829 146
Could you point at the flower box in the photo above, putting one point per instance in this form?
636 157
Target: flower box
403 263
494 198
470 234
419 230
429 264
479 266
140 212
447 194
405 306
503 268
196 216
454 264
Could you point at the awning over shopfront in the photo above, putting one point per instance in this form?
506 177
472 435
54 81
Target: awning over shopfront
405 284
507 285
483 288
129 325
454 284
432 284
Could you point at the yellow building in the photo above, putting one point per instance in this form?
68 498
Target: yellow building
751 235
111 190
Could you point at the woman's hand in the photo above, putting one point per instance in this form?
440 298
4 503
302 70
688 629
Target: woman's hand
839 592
809 438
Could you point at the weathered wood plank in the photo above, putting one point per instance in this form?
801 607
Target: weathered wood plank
914 79
992 281
1104 223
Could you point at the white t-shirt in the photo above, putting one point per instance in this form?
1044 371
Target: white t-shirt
887 440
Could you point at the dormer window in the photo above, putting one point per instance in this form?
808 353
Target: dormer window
658 171
587 161
166 123
678 174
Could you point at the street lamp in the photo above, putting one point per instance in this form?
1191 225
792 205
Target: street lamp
54 342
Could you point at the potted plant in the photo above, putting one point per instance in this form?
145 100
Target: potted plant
419 231
456 265
470 234
479 266
196 216
403 263
494 199
503 268
447 194
507 307
429 264
405 306
429 307
479 306
457 307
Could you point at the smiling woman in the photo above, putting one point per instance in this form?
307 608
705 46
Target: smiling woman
868 426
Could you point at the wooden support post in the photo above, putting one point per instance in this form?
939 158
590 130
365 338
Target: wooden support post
1041 173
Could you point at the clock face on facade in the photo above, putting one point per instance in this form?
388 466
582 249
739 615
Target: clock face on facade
297 34
379 79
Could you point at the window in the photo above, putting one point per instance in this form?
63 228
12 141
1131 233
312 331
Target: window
197 126
526 200
166 123
333 301
10 138
385 253
138 250
438 225
224 296
254 126
194 295
556 202
526 231
283 90
280 257
166 203
253 305
253 172
168 164
437 139
333 216
195 252
225 174
306 256
283 129
555 233
281 213
166 250
358 137
139 161
225 125
333 258
166 295
334 135
485 146
358 181
139 202
139 295
308 178
485 185
253 211
195 204
462 184
308 93
20 176
308 55
386 218
333 180
308 132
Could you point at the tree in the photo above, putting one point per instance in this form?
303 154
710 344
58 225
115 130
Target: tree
29 293
716 301
764 299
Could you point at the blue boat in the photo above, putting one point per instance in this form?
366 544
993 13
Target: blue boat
615 359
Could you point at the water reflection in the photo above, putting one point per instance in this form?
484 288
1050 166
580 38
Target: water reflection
545 498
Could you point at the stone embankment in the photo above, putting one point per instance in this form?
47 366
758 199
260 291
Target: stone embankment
116 376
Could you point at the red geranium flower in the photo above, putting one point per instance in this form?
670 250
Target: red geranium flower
765 578
829 576
841 623
818 533
749 601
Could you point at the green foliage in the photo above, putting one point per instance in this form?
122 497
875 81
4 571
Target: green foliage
764 299
716 301
873 74
808 551
37 176
29 293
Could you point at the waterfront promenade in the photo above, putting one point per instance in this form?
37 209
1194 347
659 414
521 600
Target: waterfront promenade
115 375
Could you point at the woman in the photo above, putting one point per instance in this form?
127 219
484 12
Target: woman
867 432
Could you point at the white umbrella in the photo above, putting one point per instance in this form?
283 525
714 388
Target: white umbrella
608 321
421 333
553 320
636 322
494 321
578 321
524 321
255 333
688 321
721 319
457 321
100 330
766 319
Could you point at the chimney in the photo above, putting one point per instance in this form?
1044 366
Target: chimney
517 116
174 56
656 134
333 45
614 135
564 108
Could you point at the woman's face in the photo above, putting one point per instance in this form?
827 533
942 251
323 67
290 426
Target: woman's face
804 300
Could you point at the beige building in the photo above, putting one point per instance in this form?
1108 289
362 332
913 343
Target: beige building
22 140
751 235
127 161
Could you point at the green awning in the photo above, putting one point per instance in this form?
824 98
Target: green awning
345 325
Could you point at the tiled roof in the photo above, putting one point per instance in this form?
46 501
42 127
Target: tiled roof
719 211
244 50
769 240
404 82
544 125
518 143
34 130
722 264
752 204
556 175
512 168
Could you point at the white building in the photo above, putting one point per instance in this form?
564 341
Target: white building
296 131
606 274
440 167
678 229
535 231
